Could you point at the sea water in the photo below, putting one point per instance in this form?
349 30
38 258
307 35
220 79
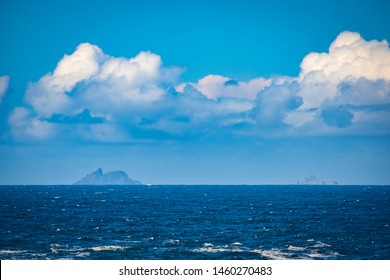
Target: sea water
195 222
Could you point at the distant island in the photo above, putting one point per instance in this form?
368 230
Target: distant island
313 180
110 178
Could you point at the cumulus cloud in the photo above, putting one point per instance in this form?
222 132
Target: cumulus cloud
131 97
96 89
339 117
335 86
96 97
362 92
88 76
215 86
351 58
4 80
25 126
274 102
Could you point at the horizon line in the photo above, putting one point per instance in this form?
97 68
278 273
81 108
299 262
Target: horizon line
160 185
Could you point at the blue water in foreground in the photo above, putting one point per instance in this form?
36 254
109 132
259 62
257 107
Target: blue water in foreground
195 222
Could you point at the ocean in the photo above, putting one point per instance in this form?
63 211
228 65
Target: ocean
195 222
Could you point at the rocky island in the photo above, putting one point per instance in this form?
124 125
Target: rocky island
110 178
313 180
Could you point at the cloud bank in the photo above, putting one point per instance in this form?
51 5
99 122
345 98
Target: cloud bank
96 97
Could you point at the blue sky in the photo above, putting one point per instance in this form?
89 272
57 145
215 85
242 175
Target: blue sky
239 92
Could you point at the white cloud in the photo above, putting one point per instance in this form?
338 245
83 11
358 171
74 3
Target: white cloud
215 86
350 57
25 126
50 94
80 65
274 102
298 118
4 81
380 119
96 97
90 76
361 92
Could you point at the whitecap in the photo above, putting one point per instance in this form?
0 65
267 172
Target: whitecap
273 254
236 244
295 248
172 241
236 250
83 254
108 248
211 250
149 239
320 244
315 254
38 255
11 251
54 248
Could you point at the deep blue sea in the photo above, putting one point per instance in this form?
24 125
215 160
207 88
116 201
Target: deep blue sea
195 222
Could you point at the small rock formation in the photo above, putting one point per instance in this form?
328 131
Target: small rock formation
313 180
111 178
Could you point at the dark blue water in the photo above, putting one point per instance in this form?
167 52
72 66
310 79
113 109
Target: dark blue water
195 222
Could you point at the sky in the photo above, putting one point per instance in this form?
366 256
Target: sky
195 92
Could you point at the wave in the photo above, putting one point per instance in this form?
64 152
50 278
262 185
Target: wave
210 248
295 248
12 251
315 250
83 254
108 248
273 254
320 244
217 250
171 242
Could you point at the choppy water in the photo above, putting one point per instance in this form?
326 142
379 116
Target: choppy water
195 222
